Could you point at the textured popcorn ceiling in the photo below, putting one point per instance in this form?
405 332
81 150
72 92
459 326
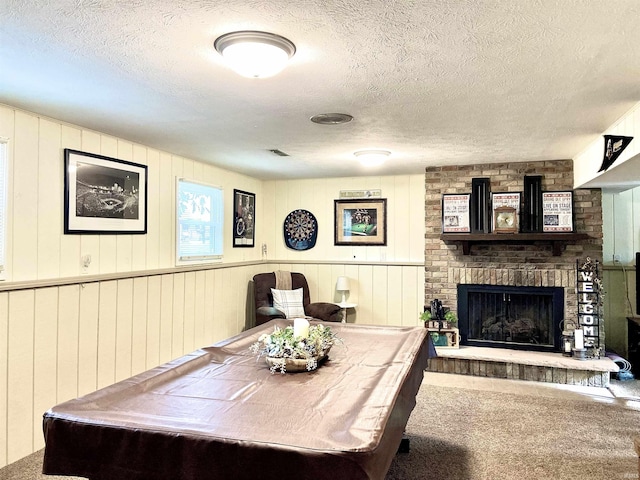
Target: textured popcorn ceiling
437 82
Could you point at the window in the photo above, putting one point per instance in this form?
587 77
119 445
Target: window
199 222
3 205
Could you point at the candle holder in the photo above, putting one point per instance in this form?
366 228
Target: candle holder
567 343
580 353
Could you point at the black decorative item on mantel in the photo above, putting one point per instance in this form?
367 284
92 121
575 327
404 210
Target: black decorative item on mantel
532 212
480 205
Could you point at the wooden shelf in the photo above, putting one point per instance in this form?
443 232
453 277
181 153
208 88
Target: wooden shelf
555 239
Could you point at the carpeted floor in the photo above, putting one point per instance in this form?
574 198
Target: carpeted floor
471 428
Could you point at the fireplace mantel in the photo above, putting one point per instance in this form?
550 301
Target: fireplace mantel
556 239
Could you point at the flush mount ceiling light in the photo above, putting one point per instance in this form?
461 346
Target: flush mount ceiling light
372 158
255 54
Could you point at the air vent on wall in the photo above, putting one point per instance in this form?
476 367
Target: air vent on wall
280 153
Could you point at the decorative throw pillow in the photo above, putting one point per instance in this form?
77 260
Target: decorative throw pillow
289 302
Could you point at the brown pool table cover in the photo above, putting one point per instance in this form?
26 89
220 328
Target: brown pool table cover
218 413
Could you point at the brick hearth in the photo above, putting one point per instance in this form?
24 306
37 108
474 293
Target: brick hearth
523 365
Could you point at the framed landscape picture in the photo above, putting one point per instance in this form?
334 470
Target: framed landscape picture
103 194
360 222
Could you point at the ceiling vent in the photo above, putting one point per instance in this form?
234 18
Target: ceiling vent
331 118
280 153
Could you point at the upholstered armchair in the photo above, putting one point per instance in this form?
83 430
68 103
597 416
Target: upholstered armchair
264 300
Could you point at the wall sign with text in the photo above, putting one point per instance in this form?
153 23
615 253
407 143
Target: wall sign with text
557 212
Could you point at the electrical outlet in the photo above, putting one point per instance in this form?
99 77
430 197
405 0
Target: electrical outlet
616 258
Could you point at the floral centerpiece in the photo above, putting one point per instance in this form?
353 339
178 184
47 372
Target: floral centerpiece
295 348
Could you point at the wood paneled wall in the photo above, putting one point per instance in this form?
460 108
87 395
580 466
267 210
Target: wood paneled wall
36 245
62 339
66 341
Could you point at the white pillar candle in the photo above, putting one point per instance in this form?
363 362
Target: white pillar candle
578 335
300 328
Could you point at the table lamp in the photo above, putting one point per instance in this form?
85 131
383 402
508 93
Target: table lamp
342 285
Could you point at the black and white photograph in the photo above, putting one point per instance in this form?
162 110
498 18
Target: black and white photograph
244 218
103 194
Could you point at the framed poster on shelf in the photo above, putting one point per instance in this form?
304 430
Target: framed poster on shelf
505 199
455 213
557 212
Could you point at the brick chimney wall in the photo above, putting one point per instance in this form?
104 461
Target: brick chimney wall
505 263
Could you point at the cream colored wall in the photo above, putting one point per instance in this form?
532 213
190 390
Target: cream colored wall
37 247
64 333
405 217
387 282
81 332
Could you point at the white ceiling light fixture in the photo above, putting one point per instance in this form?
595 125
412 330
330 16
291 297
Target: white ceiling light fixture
372 158
255 54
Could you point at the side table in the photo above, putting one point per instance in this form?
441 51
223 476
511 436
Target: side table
344 306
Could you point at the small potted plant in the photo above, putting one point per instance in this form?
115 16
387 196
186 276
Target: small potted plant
451 317
426 317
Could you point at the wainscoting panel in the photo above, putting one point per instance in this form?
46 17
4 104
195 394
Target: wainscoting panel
386 294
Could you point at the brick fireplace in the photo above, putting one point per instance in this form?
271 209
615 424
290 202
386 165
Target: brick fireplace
522 264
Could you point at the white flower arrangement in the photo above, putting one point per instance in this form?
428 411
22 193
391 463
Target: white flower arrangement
283 345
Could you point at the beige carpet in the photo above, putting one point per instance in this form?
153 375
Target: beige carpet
470 428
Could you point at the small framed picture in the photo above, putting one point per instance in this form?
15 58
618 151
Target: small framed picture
455 213
557 212
244 217
505 199
103 195
360 222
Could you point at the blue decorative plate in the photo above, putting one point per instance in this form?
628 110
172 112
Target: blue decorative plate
300 230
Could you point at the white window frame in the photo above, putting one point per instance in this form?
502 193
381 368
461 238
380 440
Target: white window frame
183 256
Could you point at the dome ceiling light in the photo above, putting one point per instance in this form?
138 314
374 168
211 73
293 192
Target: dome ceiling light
255 54
372 158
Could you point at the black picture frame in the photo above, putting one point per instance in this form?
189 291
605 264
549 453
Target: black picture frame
244 219
103 195
360 222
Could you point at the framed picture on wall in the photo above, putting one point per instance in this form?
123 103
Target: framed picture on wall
103 194
360 222
244 217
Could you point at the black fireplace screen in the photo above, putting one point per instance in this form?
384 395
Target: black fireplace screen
510 317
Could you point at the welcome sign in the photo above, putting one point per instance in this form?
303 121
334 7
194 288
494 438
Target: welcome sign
588 289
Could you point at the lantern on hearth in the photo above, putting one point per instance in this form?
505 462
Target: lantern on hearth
566 342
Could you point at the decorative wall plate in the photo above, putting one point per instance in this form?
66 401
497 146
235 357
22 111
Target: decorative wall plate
300 230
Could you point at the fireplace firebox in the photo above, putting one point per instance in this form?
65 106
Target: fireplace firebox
524 318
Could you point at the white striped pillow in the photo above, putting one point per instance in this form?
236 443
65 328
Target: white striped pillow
289 302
